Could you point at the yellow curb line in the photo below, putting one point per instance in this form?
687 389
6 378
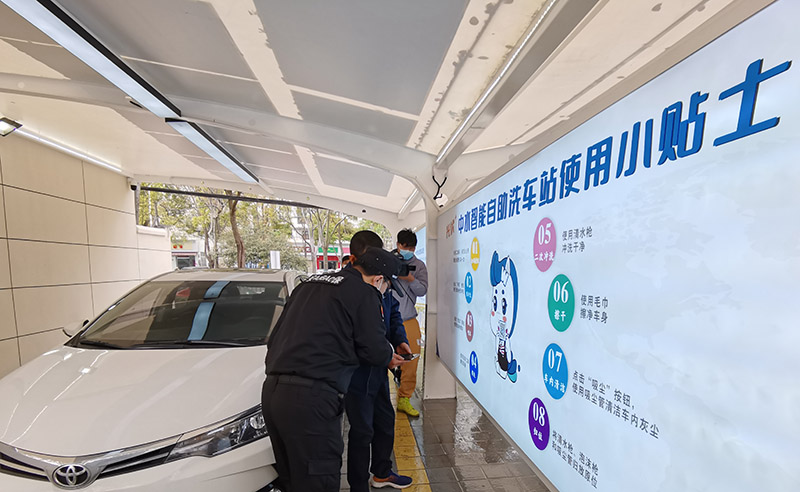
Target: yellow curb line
404 440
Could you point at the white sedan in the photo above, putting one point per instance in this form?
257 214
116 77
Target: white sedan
162 392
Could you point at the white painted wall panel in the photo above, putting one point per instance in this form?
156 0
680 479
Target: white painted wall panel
110 227
75 246
9 356
107 189
152 263
45 218
31 166
2 213
113 264
8 328
32 346
45 308
36 264
152 238
5 271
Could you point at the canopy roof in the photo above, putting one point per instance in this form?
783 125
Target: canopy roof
351 105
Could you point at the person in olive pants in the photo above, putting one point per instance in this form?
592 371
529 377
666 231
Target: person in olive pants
413 285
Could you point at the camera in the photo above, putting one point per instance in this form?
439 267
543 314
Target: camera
406 269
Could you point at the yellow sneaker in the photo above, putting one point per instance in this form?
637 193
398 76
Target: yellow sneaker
404 405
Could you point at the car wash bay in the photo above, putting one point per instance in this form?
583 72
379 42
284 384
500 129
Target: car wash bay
401 114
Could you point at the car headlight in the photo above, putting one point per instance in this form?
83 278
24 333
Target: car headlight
221 437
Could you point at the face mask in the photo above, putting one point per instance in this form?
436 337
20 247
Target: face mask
381 286
407 255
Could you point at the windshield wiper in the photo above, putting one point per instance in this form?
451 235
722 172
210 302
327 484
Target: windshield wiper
100 343
245 342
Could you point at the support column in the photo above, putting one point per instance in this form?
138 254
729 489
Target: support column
439 383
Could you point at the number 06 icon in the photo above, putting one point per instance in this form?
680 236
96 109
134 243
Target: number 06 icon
561 302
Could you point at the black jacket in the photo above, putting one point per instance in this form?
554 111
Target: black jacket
330 325
368 379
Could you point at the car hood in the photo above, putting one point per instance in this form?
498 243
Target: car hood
72 402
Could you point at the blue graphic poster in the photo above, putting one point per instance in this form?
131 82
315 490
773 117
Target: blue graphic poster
630 289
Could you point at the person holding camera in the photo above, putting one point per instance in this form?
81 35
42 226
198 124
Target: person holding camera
414 284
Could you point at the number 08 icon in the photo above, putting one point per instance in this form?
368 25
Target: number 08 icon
539 424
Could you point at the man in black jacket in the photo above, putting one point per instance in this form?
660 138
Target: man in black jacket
330 325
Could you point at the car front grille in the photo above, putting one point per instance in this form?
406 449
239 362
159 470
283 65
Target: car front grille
10 466
36 466
153 458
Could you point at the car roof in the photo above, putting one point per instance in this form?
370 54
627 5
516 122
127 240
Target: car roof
251 275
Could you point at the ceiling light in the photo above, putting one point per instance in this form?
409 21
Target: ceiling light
7 126
69 150
203 140
66 31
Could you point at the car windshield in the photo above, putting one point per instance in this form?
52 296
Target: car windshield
174 314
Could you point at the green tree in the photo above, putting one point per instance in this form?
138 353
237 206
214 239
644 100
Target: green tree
233 203
379 229
238 233
318 228
186 216
261 232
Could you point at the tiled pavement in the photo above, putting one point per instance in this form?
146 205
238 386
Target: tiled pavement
453 447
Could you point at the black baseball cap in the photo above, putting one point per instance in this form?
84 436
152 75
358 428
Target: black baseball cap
378 261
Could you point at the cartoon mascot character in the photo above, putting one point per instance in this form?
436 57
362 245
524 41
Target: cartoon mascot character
505 294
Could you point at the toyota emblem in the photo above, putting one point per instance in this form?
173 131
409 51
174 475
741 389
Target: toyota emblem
71 476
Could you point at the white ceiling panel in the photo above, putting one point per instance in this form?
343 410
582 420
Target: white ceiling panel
204 86
351 101
384 53
146 120
356 177
15 27
354 119
60 60
268 159
179 144
280 177
180 33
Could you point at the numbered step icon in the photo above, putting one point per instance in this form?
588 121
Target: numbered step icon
475 254
468 287
555 371
469 325
544 244
539 423
473 367
561 302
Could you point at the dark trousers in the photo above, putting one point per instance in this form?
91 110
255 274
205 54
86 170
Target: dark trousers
371 417
304 420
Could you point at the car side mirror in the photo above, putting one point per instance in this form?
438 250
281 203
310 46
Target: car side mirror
71 329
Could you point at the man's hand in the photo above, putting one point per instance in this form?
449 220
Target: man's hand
408 278
403 348
397 360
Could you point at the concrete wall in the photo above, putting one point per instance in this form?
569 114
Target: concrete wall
69 246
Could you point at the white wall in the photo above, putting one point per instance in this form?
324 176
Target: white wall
69 246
